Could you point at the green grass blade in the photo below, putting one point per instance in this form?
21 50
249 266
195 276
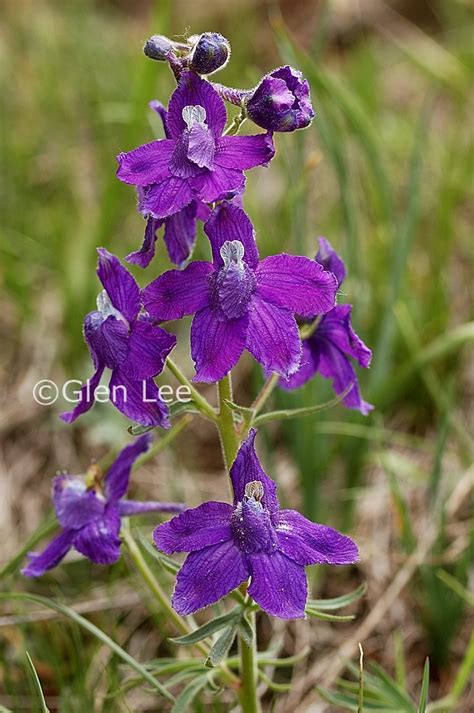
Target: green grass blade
424 688
37 682
92 629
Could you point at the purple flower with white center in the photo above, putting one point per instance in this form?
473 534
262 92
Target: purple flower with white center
328 351
196 162
90 511
240 302
281 102
179 229
250 538
125 341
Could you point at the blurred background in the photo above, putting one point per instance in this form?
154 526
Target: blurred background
385 173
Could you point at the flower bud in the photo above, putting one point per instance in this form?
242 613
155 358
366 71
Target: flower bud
158 47
211 52
281 101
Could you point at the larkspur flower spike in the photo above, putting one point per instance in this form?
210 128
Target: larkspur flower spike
89 510
252 538
332 345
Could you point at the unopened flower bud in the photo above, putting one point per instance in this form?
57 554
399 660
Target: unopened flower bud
211 52
281 101
158 47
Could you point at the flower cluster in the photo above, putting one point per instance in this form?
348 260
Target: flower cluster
239 302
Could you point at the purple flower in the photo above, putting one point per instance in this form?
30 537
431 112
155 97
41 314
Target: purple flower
196 162
90 512
329 349
126 342
281 102
179 229
241 303
251 538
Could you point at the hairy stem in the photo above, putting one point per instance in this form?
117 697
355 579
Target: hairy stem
249 672
200 402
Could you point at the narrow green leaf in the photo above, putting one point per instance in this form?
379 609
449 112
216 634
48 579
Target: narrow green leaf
95 631
327 617
338 602
273 685
221 647
140 430
245 411
246 632
456 586
37 682
208 628
188 694
286 414
424 687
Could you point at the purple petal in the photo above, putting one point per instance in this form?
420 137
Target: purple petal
246 469
41 562
307 369
330 260
244 152
118 475
135 507
229 222
140 401
180 234
306 542
208 575
278 585
194 91
147 164
337 328
273 337
107 339
119 284
86 398
99 540
201 147
297 283
159 109
144 255
74 504
195 528
216 345
209 186
334 364
168 197
149 347
178 292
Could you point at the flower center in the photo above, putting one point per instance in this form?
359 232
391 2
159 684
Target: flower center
106 308
251 524
196 147
194 115
235 282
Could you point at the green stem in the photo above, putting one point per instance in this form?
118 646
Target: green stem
153 584
225 422
201 403
249 672
265 393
